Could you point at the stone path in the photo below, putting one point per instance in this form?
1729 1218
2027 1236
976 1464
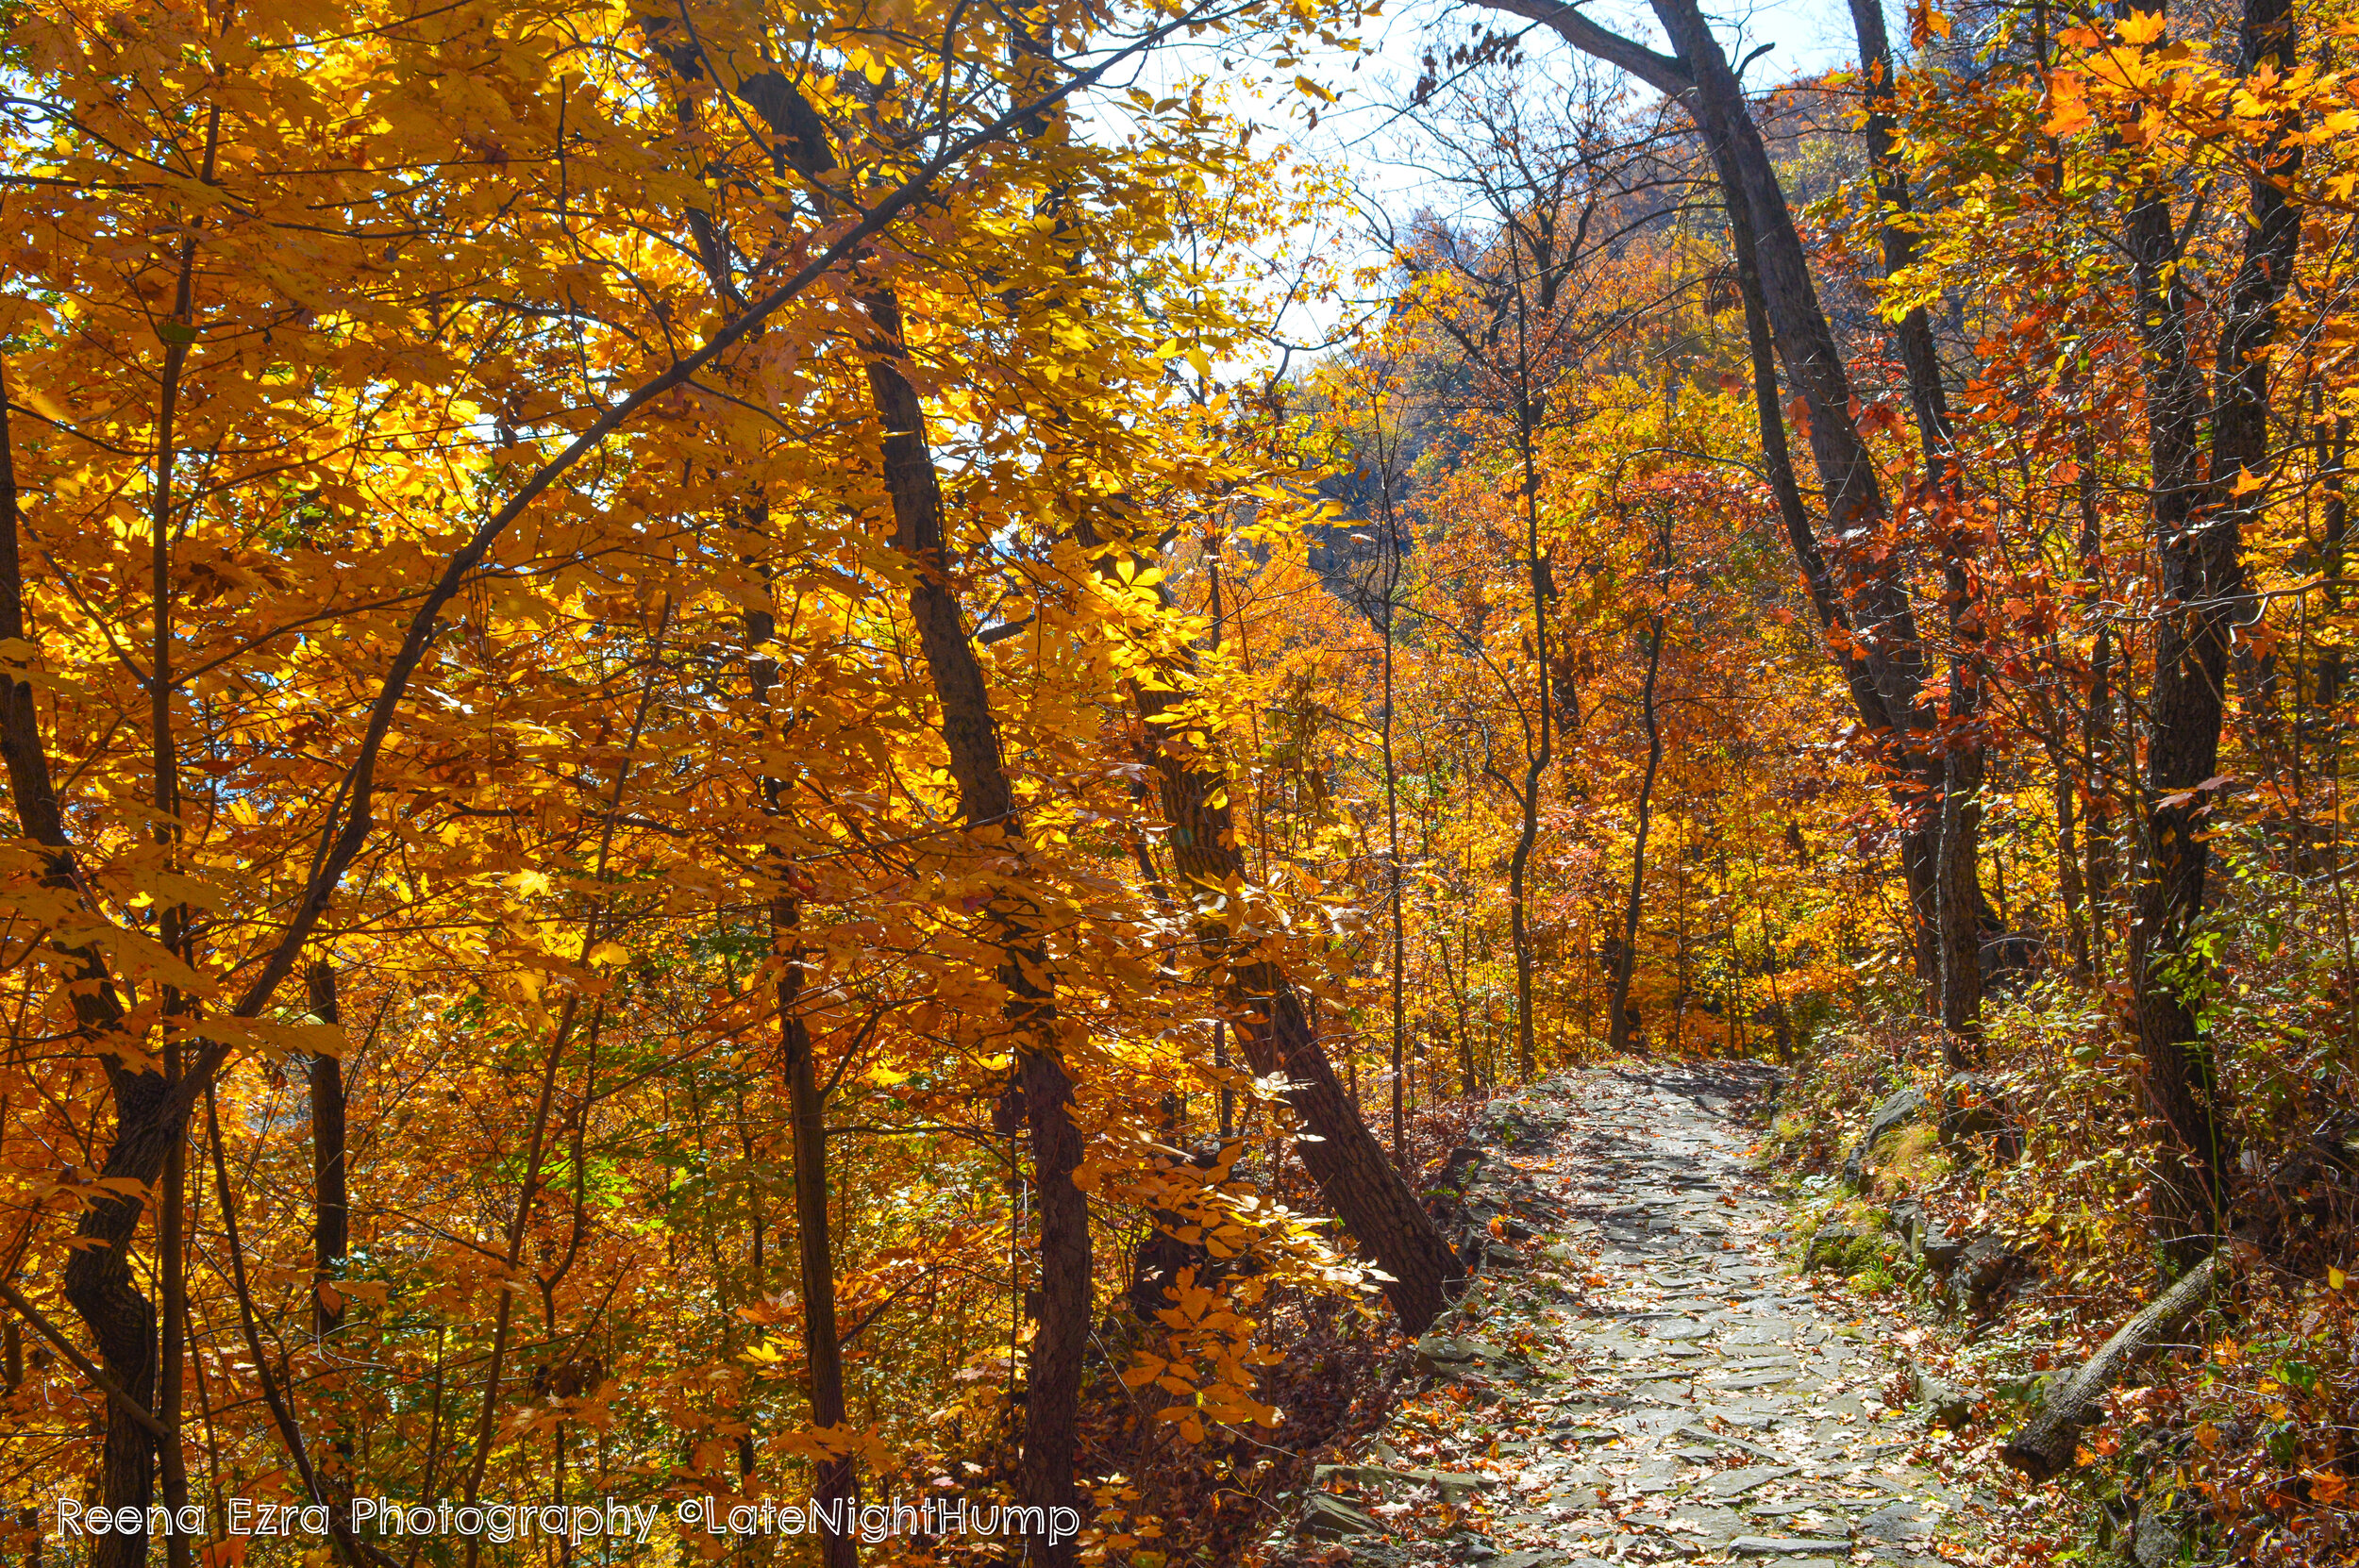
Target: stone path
1641 1379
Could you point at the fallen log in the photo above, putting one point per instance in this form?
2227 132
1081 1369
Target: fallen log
2048 1445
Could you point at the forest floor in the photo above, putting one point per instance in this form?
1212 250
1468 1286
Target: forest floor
1640 1376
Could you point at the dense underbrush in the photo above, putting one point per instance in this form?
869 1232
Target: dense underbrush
2012 1206
1333 1359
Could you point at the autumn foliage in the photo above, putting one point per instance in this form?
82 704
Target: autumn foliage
722 785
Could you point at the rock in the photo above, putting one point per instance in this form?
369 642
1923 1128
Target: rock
1928 1244
1736 1483
1351 1474
1438 1354
1513 1125
1945 1403
1707 1524
1893 1114
1458 1171
1893 1523
2157 1541
1455 1486
1775 1545
1721 1440
1983 1274
1830 1247
1969 1110
1330 1518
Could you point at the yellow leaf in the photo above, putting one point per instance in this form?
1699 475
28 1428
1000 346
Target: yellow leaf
2335 1279
2068 110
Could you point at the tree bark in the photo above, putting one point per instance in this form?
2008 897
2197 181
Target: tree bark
836 1480
1053 1378
150 1120
1618 1019
1361 1186
2334 450
1958 892
2196 529
2071 887
331 1212
987 803
1873 630
1535 765
822 1351
331 1222
2098 762
1388 626
2049 1443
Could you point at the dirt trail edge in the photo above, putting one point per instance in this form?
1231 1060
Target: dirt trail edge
1637 1377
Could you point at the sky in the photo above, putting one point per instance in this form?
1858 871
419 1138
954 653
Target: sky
1366 135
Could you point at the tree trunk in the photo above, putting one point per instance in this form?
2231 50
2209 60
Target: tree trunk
172 1258
1873 632
150 1119
1883 628
1053 1376
1619 1021
2097 761
2333 448
2070 887
331 1214
1535 765
331 1221
987 802
1960 895
2197 531
1957 893
836 1480
807 1107
1362 1187
1391 870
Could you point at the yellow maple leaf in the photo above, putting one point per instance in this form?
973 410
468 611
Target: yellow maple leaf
2068 109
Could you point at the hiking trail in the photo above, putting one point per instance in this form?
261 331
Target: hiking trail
1637 1376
